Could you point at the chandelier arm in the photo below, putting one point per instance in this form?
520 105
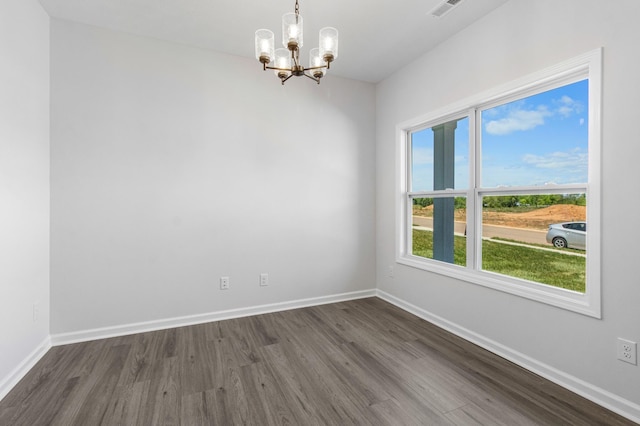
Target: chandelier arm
285 79
317 80
319 67
277 69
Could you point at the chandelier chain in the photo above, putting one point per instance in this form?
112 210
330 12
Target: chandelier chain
297 8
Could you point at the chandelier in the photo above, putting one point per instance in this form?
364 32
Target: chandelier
287 59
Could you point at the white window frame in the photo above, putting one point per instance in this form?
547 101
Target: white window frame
588 65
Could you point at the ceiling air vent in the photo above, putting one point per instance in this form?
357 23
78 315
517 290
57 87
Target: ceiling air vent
443 8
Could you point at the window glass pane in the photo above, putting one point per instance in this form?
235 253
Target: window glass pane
541 139
439 229
440 157
539 238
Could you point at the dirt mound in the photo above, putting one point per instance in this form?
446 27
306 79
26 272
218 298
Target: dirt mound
532 219
537 219
558 211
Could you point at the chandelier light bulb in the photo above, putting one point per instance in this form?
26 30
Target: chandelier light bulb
265 48
293 32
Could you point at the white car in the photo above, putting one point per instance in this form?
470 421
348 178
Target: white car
568 234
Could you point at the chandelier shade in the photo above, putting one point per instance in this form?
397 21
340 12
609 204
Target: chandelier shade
283 63
264 46
286 60
315 63
328 44
292 30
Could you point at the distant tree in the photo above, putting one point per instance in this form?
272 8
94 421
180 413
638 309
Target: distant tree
501 201
530 200
576 199
422 202
510 201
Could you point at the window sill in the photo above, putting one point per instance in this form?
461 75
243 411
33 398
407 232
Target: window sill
581 303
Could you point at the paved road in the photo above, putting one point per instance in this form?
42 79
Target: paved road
530 236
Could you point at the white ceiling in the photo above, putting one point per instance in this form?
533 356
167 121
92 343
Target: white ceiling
377 37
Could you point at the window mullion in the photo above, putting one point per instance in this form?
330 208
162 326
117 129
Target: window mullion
472 249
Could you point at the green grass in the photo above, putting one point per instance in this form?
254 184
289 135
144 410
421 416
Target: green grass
545 246
548 267
423 246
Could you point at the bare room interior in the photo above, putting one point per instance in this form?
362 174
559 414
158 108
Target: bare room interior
200 226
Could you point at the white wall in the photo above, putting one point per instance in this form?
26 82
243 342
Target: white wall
24 185
174 166
517 39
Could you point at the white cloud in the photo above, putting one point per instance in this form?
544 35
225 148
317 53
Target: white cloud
568 106
575 160
518 120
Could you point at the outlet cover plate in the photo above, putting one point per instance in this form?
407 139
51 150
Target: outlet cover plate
627 351
224 283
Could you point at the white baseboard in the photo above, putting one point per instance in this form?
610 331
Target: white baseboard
593 393
23 368
141 327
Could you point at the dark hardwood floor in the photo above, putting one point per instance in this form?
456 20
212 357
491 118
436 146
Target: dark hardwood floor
361 362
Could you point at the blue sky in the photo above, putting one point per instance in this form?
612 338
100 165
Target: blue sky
533 141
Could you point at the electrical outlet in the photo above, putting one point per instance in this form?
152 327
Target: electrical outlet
627 351
264 280
390 271
224 283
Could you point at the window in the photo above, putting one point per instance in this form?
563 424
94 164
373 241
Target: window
498 191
